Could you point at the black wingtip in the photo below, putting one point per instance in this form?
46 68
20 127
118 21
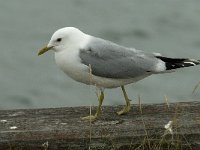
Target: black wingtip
175 63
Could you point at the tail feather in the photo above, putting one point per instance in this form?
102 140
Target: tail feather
175 63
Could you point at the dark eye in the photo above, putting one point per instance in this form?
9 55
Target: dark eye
59 39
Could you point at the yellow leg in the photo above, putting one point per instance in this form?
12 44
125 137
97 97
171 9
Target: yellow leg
99 110
127 108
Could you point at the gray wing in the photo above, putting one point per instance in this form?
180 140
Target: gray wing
110 60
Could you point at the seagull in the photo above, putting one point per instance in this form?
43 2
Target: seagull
104 64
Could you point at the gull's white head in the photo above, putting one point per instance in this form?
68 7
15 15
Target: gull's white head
63 38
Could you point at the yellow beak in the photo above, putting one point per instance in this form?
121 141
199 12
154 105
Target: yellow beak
44 50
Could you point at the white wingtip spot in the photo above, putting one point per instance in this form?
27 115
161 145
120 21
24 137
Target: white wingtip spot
190 63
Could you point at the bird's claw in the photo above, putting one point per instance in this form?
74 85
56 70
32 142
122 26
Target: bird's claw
125 110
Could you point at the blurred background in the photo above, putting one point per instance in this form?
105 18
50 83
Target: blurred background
169 27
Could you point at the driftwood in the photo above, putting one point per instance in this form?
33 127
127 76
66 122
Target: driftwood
142 128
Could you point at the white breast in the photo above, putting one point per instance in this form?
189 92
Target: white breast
70 63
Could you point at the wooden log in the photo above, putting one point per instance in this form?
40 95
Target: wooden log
142 128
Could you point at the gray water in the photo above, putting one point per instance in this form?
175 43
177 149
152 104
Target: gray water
170 27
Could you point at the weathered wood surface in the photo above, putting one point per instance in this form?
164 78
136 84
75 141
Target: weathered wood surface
62 128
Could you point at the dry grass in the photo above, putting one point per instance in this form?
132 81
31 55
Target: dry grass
170 140
195 87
